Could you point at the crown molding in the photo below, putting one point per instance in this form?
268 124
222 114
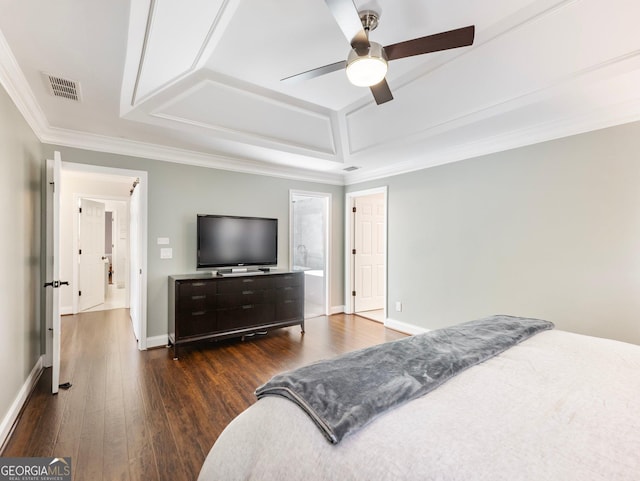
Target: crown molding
100 143
16 85
596 119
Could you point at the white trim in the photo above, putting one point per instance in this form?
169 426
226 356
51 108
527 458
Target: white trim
327 196
144 189
348 244
14 411
157 341
17 86
66 310
336 310
228 162
404 327
77 197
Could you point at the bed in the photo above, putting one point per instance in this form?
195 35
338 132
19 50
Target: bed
555 406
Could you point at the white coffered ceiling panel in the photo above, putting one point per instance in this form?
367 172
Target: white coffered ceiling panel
223 109
176 34
200 81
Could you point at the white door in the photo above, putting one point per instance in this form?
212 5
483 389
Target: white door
135 266
53 270
369 259
91 275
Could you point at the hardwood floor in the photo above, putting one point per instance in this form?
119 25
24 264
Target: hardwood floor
134 415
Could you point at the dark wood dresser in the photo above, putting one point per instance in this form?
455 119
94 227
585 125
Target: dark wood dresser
202 306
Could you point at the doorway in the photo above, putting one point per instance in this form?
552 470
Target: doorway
118 278
366 244
309 247
103 239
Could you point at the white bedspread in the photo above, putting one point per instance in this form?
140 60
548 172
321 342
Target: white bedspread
559 406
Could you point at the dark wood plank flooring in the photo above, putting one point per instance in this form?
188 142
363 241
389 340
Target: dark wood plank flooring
134 415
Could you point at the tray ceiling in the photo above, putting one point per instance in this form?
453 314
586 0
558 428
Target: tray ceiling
199 81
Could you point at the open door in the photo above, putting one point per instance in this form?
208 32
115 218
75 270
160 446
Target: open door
93 274
53 283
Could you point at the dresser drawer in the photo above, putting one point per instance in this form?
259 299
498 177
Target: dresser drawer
195 288
245 316
239 284
245 297
196 302
289 310
289 280
289 293
195 322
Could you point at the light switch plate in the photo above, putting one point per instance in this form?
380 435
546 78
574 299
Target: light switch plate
166 253
163 240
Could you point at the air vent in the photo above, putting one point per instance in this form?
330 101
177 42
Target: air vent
61 87
350 169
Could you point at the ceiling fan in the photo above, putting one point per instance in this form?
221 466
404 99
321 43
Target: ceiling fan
366 64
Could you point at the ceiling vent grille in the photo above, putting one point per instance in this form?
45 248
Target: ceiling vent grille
61 87
350 169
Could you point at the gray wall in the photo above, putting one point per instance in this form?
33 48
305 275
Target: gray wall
550 230
20 240
178 192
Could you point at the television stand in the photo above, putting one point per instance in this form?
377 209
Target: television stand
233 305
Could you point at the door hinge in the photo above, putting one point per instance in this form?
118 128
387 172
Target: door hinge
353 293
353 251
79 293
79 251
354 210
80 209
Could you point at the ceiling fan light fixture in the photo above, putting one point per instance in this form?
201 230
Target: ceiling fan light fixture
367 69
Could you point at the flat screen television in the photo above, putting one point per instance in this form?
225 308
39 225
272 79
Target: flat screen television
233 241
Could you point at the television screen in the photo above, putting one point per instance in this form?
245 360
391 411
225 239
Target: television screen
228 241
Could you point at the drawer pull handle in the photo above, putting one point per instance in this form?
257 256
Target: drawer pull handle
246 293
197 284
247 280
199 313
248 306
288 288
195 298
288 301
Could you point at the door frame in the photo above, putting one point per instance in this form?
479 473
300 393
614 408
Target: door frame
142 238
53 169
349 243
75 232
327 239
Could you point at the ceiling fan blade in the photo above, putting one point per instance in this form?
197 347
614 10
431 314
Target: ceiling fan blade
348 19
316 72
381 92
460 37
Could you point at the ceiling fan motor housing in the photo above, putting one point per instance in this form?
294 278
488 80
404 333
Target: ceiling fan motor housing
367 67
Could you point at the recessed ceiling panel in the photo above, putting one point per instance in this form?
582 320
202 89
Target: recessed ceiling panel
510 68
177 33
241 115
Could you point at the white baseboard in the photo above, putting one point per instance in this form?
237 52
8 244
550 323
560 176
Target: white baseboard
157 341
336 310
405 327
14 411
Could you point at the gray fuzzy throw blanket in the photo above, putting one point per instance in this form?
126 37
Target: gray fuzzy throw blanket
342 395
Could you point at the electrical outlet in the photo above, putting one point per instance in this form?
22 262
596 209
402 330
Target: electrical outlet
398 306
